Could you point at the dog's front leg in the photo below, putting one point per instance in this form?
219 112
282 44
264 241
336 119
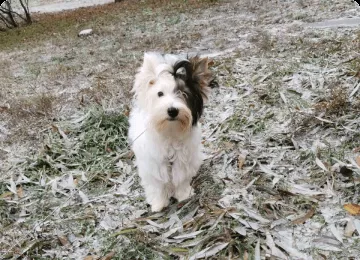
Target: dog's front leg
183 190
182 175
154 179
157 195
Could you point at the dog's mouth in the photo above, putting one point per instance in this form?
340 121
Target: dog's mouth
180 123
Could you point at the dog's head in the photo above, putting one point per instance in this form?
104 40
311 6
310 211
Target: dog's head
172 91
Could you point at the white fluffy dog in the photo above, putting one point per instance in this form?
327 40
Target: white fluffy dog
164 130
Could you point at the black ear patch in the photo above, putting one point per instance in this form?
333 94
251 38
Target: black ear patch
182 70
181 73
189 86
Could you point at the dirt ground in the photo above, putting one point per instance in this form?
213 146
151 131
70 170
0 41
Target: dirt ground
281 133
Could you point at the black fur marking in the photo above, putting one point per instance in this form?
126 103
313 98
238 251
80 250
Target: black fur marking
189 86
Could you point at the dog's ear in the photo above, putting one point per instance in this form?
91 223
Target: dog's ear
202 74
153 66
151 61
146 75
182 70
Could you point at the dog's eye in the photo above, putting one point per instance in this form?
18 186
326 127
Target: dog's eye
160 94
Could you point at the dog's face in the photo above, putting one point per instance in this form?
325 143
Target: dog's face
172 91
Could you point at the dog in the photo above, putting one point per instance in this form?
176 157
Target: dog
164 132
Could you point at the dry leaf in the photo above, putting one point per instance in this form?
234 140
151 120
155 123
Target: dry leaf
89 257
353 209
20 192
108 256
302 219
246 256
241 161
209 251
3 108
350 228
228 179
7 194
257 255
275 252
321 164
190 235
229 145
54 128
63 240
336 232
357 225
358 160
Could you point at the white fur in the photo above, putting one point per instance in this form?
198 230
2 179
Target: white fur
168 153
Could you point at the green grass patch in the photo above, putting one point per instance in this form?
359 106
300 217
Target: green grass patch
88 143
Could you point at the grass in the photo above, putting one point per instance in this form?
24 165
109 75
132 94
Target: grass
80 150
38 106
139 251
118 26
262 39
99 135
68 24
265 130
149 244
27 114
336 102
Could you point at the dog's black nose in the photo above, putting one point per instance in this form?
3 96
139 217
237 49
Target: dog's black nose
173 112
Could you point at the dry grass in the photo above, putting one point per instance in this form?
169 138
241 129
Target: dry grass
38 106
101 80
262 39
336 103
68 23
25 116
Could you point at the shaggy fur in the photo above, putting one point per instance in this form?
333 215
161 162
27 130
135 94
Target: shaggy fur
169 95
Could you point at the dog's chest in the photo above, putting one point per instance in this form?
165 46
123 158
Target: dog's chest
176 152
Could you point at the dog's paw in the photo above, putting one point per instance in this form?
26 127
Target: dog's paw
183 193
158 205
